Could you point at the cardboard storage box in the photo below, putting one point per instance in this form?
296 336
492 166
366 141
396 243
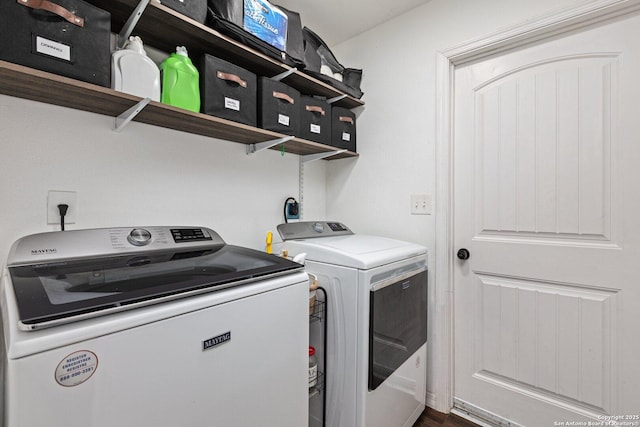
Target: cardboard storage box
343 128
228 91
278 107
315 120
66 37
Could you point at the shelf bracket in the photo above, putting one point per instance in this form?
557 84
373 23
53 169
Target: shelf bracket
319 156
336 99
284 75
123 119
254 148
131 23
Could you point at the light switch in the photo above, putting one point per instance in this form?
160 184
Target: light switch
421 204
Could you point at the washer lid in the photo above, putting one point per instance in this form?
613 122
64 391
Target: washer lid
58 286
355 250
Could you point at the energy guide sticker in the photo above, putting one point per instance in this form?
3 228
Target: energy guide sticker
76 368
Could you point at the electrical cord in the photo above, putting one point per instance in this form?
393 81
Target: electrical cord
284 213
62 208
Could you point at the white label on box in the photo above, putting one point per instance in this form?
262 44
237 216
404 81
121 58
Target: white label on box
283 120
231 104
315 128
51 48
346 136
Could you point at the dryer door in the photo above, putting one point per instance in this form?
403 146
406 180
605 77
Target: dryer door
397 323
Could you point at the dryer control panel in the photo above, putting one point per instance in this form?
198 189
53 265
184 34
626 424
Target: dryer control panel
312 229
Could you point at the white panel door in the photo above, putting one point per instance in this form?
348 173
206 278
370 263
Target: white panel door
547 202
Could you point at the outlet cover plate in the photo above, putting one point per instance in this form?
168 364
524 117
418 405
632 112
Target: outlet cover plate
54 198
288 211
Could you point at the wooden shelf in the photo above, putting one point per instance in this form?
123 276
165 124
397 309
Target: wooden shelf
23 82
164 28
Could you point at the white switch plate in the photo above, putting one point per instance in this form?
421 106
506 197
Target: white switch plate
421 204
54 198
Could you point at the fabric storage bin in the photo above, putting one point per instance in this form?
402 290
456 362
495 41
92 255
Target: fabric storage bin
239 19
278 107
315 120
227 91
343 128
194 9
66 37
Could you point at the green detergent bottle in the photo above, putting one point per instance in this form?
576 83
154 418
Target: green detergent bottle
180 81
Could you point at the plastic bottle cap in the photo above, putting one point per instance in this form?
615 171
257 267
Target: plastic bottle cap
312 351
135 43
181 50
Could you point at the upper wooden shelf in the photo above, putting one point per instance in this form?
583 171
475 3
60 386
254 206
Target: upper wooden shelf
164 28
24 82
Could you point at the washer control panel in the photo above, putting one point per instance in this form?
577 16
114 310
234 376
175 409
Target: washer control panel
73 244
181 235
311 229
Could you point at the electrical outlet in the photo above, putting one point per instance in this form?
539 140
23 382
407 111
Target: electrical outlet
421 204
55 198
293 210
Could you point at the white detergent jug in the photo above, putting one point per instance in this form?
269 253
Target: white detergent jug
132 71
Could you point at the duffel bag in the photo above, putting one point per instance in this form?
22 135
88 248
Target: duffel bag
271 30
323 65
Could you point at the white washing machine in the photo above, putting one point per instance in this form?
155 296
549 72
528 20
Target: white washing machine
377 322
154 326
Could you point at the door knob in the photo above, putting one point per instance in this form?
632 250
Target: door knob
463 254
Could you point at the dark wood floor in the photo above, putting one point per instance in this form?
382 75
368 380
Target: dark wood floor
431 418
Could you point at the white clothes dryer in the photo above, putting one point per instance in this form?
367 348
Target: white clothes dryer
376 322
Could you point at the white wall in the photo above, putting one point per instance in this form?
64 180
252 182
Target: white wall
144 175
396 131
